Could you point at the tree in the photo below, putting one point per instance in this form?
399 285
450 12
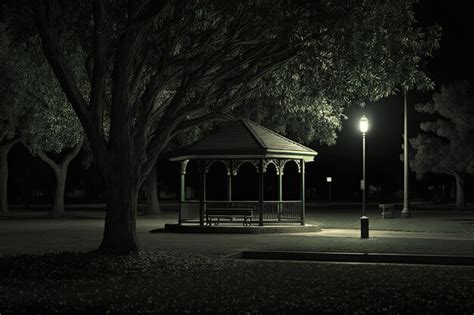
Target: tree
53 127
37 114
446 145
151 186
162 67
12 114
8 138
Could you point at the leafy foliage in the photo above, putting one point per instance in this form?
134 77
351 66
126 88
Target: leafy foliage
12 115
52 125
35 108
446 145
364 52
299 65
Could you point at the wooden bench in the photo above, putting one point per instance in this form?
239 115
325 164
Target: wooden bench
387 210
228 213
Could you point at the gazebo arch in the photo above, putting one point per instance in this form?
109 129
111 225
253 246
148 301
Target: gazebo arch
237 143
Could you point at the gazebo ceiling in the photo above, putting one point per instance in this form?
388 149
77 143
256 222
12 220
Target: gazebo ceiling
244 139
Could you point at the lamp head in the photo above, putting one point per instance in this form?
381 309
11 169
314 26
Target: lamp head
363 124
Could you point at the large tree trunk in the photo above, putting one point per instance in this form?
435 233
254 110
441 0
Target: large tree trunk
58 205
459 191
153 205
4 150
4 180
120 218
60 170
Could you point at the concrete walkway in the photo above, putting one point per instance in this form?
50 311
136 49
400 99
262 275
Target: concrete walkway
394 234
82 231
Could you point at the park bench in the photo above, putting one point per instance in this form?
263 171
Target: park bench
228 213
387 210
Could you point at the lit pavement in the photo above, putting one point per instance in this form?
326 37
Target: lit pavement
393 234
82 231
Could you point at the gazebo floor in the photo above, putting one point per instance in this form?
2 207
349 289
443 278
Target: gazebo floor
227 228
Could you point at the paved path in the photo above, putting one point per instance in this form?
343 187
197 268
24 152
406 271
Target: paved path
395 234
83 231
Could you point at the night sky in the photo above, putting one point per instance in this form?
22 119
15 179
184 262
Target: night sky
452 62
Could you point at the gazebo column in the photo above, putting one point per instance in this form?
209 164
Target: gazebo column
302 195
260 192
280 191
202 199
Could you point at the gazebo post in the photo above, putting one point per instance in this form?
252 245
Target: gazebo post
302 196
202 199
280 191
260 192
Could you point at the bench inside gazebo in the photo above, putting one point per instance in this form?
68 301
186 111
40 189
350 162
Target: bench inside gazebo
237 143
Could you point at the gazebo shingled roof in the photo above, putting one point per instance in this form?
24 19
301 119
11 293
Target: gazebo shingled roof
244 139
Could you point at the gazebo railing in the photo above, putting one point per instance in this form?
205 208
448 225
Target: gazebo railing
289 210
273 211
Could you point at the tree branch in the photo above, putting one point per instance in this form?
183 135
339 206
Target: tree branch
47 20
8 144
198 121
56 167
98 82
75 151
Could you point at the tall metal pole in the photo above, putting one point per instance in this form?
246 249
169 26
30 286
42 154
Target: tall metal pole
405 212
363 174
364 220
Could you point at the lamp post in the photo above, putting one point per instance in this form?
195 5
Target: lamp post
329 180
364 220
405 211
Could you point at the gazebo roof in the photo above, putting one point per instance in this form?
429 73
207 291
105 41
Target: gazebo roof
244 139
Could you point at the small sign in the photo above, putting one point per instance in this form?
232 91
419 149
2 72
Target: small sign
362 184
328 179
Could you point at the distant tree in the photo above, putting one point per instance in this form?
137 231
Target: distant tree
446 145
52 132
10 117
162 67
35 111
12 114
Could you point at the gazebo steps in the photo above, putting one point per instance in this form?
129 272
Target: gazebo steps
239 229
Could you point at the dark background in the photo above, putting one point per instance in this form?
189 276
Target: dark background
31 180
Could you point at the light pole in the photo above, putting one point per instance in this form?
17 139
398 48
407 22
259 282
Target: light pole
364 220
329 180
405 212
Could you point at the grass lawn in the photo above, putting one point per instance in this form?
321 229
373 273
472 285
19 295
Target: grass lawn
154 282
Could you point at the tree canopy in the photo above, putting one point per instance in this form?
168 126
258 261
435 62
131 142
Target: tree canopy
162 67
445 145
364 52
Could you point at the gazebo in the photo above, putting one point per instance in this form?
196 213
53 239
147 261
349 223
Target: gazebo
236 143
